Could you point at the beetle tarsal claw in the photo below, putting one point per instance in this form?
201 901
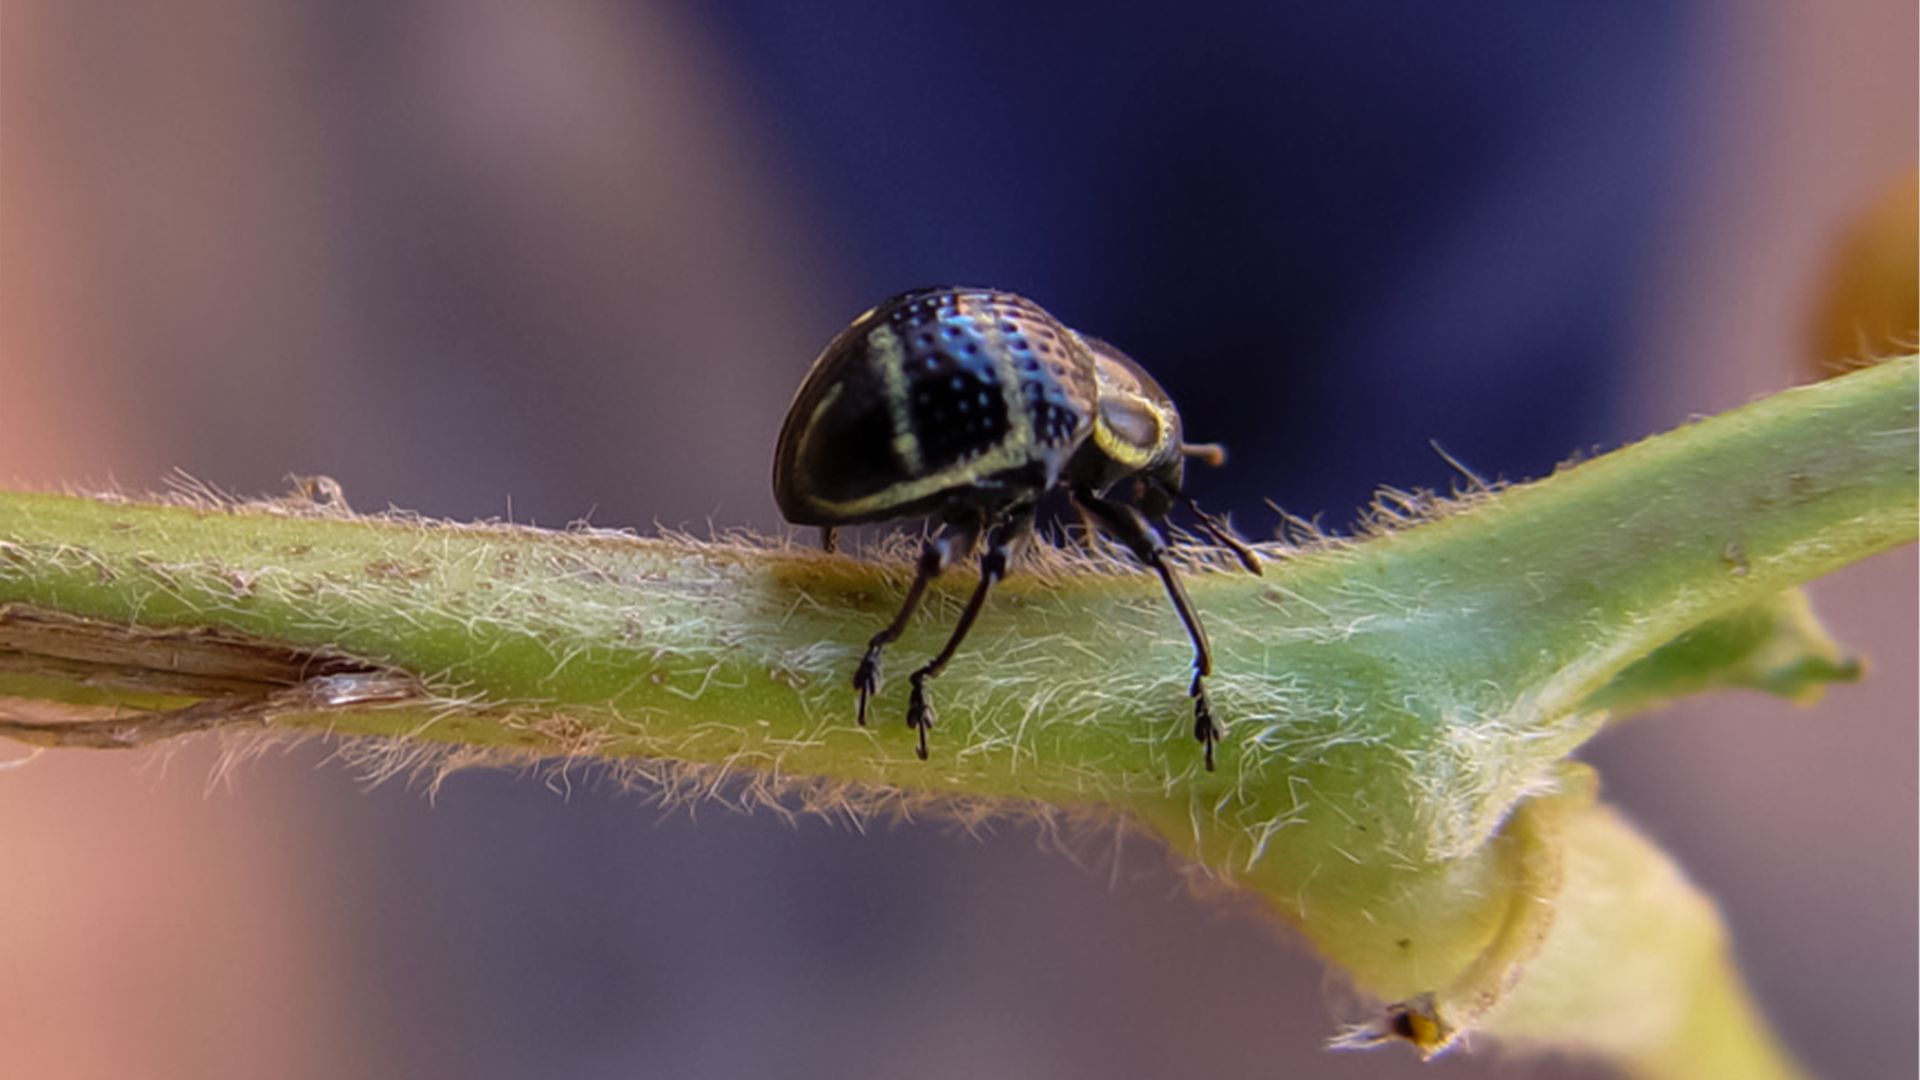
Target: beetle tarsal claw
866 682
1206 730
1206 727
920 715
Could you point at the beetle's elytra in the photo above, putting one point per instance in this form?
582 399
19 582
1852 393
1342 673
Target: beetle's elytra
966 405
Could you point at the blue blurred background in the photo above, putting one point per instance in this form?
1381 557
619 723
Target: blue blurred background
555 261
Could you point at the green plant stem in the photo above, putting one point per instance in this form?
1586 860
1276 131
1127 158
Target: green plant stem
1390 702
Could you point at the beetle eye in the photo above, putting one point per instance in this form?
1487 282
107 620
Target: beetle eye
1132 420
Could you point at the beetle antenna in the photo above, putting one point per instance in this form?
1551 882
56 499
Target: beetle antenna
1220 533
1209 453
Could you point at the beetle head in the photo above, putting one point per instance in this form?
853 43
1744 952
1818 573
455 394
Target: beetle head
1136 433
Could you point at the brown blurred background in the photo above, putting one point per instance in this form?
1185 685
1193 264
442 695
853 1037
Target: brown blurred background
560 260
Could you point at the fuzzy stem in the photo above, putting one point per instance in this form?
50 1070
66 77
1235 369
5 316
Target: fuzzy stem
1389 702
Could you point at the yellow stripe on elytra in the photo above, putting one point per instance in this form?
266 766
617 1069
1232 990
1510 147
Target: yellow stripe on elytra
1019 421
889 362
803 453
1007 455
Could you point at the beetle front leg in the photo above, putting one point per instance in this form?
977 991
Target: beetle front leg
935 555
1127 525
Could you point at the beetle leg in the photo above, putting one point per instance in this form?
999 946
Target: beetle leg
829 539
1089 531
939 550
993 567
1127 525
1218 531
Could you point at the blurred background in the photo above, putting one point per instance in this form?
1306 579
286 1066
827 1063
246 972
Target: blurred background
570 260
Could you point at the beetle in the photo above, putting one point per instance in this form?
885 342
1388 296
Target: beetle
966 405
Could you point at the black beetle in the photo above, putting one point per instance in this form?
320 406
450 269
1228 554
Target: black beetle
967 405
